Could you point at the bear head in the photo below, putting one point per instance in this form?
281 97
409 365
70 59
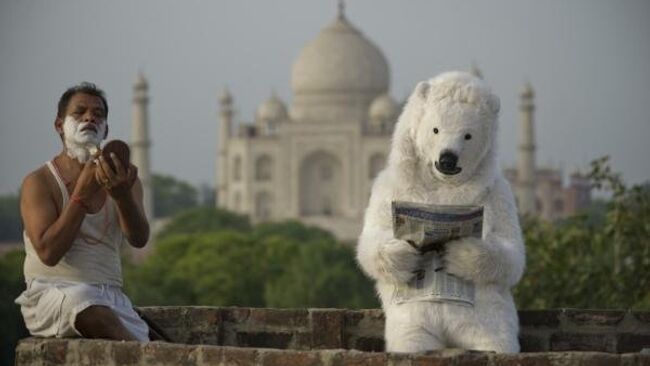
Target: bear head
447 129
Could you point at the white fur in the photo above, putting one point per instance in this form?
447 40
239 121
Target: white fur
457 104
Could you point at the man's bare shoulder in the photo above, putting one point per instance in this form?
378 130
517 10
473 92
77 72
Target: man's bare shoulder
39 180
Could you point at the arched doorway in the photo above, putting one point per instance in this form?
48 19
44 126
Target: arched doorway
320 185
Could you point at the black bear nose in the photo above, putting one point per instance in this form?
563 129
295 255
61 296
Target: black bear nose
448 160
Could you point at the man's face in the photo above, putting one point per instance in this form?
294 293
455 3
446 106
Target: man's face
85 119
83 126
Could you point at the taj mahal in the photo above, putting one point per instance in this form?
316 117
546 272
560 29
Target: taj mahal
315 159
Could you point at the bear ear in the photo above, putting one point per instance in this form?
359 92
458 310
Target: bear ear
422 90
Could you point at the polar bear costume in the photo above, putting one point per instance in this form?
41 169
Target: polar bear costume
444 152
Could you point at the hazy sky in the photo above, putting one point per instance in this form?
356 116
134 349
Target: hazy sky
588 61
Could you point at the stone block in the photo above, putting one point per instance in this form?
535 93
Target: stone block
353 358
264 339
368 344
127 353
235 315
235 356
232 356
160 353
521 359
589 358
533 342
540 318
285 358
630 342
353 317
594 317
399 359
54 351
327 328
451 356
634 359
583 342
285 318
301 341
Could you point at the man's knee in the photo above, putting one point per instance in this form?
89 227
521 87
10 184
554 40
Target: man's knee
97 321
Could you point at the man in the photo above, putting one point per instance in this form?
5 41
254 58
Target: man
77 211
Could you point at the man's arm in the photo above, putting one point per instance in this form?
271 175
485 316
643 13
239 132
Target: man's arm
51 235
125 188
133 221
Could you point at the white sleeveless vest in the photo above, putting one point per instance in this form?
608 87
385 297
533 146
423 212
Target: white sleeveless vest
94 256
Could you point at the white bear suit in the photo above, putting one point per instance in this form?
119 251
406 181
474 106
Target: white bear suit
456 114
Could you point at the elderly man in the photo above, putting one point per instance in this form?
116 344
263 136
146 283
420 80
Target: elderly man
77 210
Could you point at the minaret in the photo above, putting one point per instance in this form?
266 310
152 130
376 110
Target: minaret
225 127
140 142
526 156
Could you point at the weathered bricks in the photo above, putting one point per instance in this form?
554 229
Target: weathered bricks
239 356
246 336
594 317
126 353
262 339
34 352
537 318
287 357
583 342
327 328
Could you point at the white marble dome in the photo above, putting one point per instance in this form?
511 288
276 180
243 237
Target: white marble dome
384 107
340 59
273 109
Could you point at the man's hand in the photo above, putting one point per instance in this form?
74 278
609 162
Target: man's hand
117 182
126 190
87 184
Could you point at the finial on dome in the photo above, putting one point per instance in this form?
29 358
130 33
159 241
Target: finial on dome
341 9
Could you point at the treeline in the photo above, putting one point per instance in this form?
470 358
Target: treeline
209 256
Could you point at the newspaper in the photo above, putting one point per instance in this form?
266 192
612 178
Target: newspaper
428 228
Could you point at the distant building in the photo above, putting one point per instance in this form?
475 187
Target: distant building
316 160
539 191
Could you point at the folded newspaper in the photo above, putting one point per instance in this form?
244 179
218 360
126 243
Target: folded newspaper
428 228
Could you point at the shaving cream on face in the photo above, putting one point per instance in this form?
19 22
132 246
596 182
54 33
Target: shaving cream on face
81 143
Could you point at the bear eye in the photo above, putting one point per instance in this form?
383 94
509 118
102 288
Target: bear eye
435 130
468 136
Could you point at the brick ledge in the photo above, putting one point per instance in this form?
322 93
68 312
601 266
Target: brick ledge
38 351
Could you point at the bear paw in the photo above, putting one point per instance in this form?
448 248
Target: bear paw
398 259
465 258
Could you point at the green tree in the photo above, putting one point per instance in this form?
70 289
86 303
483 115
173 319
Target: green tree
291 229
318 273
599 260
12 284
213 268
214 257
172 195
10 221
203 220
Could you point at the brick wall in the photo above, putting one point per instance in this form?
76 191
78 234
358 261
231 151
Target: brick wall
247 336
610 331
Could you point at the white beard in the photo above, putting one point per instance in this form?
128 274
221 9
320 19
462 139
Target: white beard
82 144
